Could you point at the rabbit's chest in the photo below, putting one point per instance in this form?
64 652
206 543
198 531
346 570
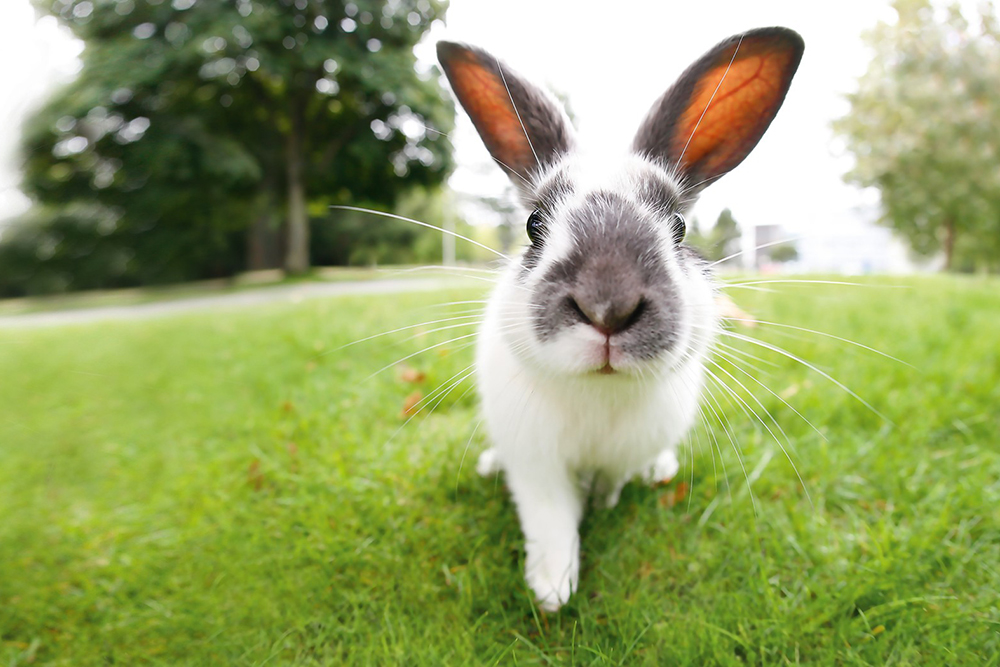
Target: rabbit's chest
622 434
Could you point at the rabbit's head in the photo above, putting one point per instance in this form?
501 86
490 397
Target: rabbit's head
606 285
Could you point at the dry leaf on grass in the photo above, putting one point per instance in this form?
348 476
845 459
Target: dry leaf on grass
411 375
410 404
254 476
789 391
670 497
730 311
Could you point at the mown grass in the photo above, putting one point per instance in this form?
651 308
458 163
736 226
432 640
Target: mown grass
228 489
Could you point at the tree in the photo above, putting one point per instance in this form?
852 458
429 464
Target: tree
197 127
722 241
784 252
725 236
924 128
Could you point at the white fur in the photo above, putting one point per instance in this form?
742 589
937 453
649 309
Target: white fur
558 428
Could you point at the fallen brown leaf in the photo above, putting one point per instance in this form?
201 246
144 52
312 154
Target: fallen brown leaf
412 375
789 391
254 476
410 404
672 496
730 311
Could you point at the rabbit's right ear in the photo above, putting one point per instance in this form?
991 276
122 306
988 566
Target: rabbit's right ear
522 127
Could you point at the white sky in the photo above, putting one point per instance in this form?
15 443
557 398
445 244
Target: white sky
612 60
34 57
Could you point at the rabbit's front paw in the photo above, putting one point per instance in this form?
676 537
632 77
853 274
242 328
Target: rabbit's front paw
664 468
552 576
488 464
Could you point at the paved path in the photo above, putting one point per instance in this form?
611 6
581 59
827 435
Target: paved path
241 299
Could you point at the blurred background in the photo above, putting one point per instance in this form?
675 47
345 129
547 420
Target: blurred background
146 142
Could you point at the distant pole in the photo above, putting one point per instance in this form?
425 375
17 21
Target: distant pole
750 249
448 242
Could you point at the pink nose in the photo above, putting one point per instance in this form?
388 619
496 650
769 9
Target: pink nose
610 318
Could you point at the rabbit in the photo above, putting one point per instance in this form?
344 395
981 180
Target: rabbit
590 358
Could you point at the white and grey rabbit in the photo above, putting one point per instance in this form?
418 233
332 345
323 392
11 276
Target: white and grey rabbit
590 359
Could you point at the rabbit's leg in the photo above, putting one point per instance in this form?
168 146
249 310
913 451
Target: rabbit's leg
489 463
608 488
664 468
549 505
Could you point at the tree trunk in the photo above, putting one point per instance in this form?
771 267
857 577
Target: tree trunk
264 249
297 248
949 243
264 244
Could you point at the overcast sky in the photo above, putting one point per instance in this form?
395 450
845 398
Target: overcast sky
612 61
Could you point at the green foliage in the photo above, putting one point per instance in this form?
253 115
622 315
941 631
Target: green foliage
924 128
723 240
193 119
229 488
784 252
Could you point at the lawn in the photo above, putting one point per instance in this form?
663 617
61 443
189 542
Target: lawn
230 488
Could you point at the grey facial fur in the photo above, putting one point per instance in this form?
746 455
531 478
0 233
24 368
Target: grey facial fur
553 189
614 272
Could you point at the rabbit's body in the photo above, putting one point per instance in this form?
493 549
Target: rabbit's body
591 357
613 427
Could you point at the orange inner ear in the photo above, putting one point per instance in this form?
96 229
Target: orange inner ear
487 102
744 102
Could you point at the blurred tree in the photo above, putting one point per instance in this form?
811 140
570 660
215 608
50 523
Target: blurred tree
697 239
924 128
720 242
196 128
784 252
724 238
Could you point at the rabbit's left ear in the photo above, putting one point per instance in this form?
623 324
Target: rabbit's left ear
720 107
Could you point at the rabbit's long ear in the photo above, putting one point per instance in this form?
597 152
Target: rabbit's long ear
522 127
720 107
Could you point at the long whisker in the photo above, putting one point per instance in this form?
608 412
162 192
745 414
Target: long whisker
811 367
760 247
764 424
442 267
383 214
724 422
468 443
809 282
730 358
778 396
386 333
441 390
426 349
827 335
504 164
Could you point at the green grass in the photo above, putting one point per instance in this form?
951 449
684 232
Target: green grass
222 489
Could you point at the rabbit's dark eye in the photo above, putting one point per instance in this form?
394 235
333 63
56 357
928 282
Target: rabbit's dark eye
679 225
535 227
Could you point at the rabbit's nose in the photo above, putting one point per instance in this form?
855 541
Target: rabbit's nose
608 318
